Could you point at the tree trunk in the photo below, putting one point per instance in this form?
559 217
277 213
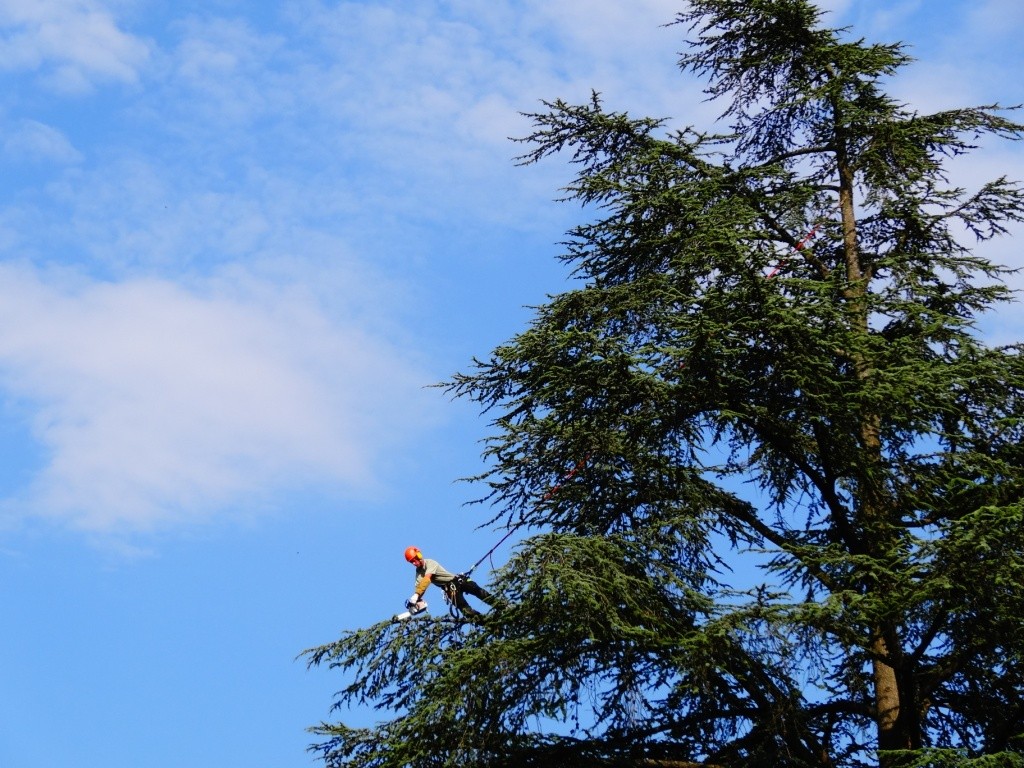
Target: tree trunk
892 732
887 702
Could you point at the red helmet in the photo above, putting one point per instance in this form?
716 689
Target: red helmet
412 554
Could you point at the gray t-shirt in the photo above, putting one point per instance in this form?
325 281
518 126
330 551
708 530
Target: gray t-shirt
438 575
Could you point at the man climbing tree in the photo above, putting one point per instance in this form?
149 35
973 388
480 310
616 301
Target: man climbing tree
455 586
797 538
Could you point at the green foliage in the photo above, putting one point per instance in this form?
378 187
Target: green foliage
795 536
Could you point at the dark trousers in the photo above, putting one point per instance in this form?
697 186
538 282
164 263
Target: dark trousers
457 591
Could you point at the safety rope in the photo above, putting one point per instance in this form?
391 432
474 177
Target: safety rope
798 247
554 489
551 492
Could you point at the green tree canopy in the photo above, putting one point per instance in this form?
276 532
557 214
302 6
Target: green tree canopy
795 532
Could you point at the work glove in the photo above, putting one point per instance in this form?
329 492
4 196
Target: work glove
413 599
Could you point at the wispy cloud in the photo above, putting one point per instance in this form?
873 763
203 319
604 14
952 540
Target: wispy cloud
73 44
997 20
30 140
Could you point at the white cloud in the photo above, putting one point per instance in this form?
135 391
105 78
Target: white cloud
32 140
158 405
75 43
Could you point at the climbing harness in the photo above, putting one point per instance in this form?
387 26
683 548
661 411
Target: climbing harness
451 595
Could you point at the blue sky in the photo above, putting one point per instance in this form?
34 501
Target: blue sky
238 240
